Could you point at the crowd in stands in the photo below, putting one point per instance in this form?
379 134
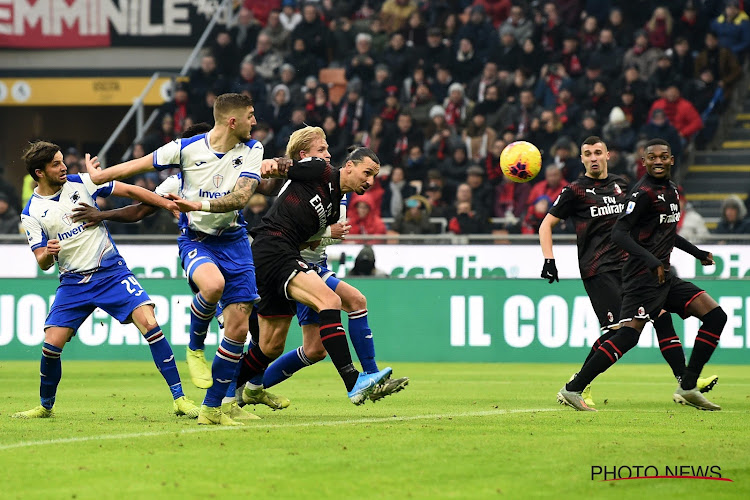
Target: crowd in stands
438 88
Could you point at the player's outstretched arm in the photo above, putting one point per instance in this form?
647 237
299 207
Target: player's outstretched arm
706 258
236 200
144 196
116 172
92 216
45 256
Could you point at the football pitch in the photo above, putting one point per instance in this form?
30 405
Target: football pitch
457 431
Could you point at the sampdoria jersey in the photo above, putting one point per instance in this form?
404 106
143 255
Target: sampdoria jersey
208 175
304 209
319 256
651 217
594 205
82 251
170 185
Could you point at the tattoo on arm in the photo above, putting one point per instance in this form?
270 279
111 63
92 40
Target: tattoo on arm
238 198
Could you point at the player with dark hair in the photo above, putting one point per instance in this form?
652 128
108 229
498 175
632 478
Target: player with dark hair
220 172
311 142
92 272
647 230
593 203
307 204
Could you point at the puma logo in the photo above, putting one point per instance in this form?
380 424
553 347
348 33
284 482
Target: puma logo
661 197
592 191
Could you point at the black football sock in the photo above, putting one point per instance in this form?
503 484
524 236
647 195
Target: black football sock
252 363
670 345
705 344
608 353
605 336
334 340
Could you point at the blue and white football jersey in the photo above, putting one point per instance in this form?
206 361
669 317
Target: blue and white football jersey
208 175
170 185
82 251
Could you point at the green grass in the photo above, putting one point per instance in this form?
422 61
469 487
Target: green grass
457 431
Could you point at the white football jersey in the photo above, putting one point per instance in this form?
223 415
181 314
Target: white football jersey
82 251
170 185
319 256
208 175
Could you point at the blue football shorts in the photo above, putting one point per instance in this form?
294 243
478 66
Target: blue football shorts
306 315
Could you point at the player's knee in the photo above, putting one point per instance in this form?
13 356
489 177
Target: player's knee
273 347
316 353
330 301
715 319
213 291
356 302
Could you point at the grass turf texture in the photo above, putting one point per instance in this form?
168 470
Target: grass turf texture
457 431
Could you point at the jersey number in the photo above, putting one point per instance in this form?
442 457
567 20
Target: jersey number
130 283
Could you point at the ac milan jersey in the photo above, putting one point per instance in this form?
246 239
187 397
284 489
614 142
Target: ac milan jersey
593 205
651 217
318 255
208 175
307 204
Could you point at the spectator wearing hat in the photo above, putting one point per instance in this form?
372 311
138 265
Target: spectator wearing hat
438 205
364 264
301 60
288 77
440 136
289 16
457 107
523 28
482 193
399 140
395 191
663 77
642 56
618 132
353 113
362 64
249 80
398 57
9 221
733 219
415 218
658 127
316 36
508 54
365 221
733 29
720 61
434 53
395 13
680 112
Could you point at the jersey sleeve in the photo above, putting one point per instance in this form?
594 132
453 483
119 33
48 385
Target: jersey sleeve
34 232
637 204
95 190
167 156
170 185
564 205
251 163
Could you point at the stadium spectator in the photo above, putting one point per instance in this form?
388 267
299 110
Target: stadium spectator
395 191
589 126
394 14
442 83
438 206
255 210
659 127
545 132
250 81
279 110
354 113
659 28
663 77
289 16
691 26
319 106
338 139
708 97
364 264
720 61
288 77
680 112
226 54
570 57
434 53
415 218
523 28
733 29
206 77
158 138
8 216
481 192
415 30
342 39
553 77
467 221
376 92
535 215
281 137
398 141
203 112
315 35
372 137
507 56
301 60
621 29
682 59
454 167
262 10
550 187
497 10
362 64
619 133
365 222
392 105
478 137
733 219
692 226
266 59
398 57
589 34
421 104
245 31
634 108
642 56
479 31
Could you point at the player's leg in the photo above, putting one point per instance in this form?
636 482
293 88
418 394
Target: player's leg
704 307
310 352
207 280
50 372
669 344
309 289
161 352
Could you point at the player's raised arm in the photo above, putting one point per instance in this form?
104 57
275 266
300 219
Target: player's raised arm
143 195
121 171
706 258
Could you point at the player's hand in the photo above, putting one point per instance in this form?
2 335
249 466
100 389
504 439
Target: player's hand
269 169
284 165
660 275
177 204
53 247
88 214
709 260
93 168
549 271
340 230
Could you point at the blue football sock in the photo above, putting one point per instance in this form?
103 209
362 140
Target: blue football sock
225 363
287 365
51 372
163 356
232 388
201 312
361 337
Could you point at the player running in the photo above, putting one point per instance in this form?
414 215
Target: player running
593 203
92 272
220 172
647 230
306 143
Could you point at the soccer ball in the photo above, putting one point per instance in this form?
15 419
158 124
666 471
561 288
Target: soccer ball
520 161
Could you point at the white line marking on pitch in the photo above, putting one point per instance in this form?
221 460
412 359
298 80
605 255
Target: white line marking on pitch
383 420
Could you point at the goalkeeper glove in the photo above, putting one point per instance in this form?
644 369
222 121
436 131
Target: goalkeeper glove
549 271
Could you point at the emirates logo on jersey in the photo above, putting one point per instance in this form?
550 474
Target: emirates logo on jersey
218 179
67 219
618 190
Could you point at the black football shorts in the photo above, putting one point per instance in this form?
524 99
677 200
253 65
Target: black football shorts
644 298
